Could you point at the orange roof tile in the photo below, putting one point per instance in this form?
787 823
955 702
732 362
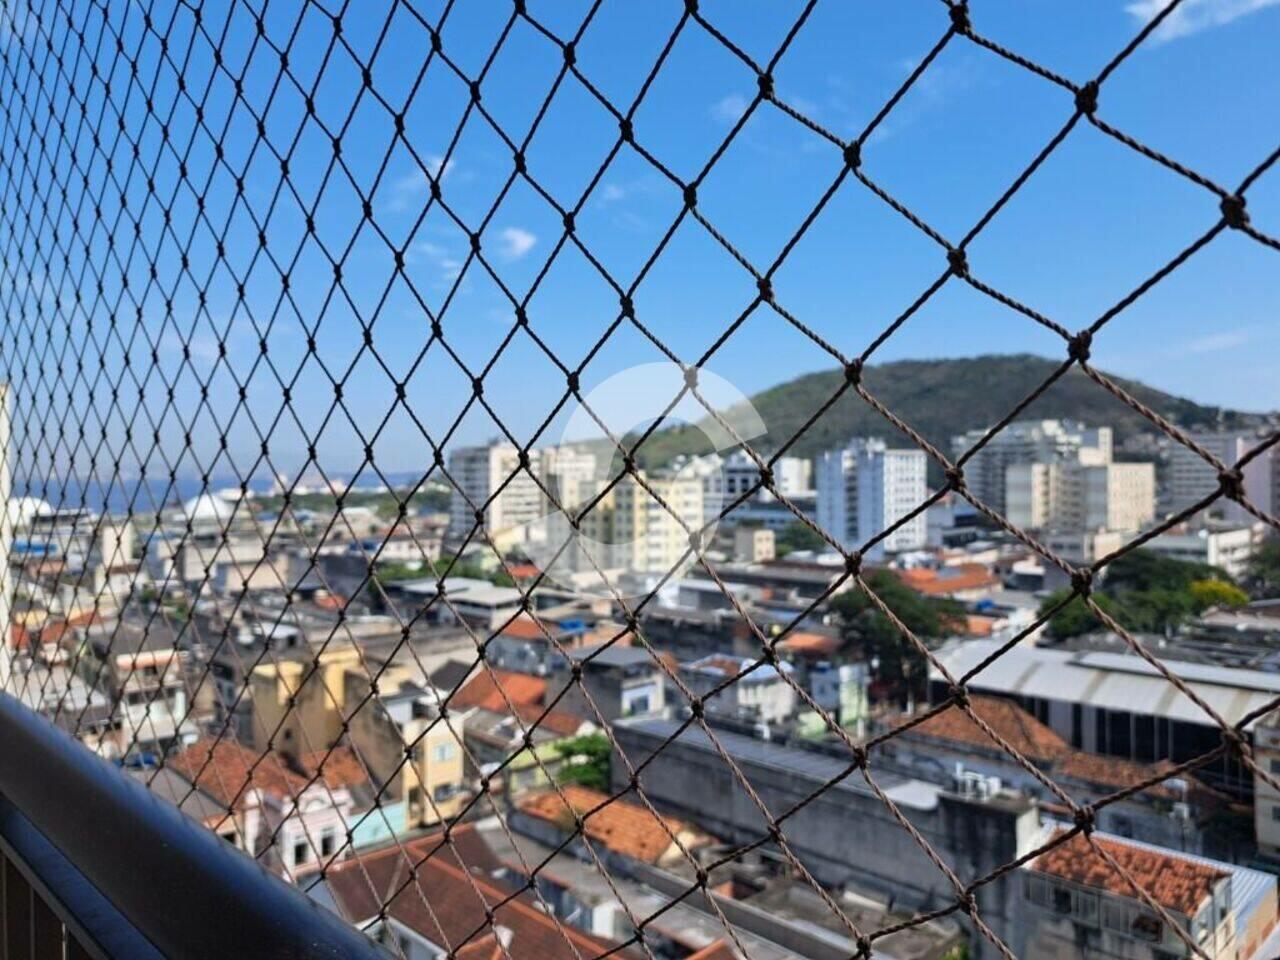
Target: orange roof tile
560 722
340 768
816 644
225 770
1015 726
1174 882
948 580
621 826
526 628
486 689
1120 774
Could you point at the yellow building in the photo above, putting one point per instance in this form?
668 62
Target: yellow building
300 709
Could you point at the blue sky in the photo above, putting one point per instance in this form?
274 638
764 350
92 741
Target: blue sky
1092 223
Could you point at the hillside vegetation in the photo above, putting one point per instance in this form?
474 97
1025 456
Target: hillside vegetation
940 398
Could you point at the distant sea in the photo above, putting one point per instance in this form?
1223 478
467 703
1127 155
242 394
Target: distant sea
102 496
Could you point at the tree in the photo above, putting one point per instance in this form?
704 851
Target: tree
1147 593
1263 576
585 760
1216 593
1075 618
900 667
797 536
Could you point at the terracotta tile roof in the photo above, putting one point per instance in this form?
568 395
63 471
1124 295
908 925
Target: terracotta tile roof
485 690
19 637
948 580
979 626
621 826
1174 882
456 880
560 722
526 628
813 644
1019 729
523 571
229 772
341 768
1116 773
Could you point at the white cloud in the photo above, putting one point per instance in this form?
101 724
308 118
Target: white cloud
612 192
1221 340
730 109
515 242
1192 16
413 185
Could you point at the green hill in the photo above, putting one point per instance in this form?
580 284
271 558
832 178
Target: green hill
941 398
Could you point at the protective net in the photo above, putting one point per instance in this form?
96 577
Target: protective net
236 236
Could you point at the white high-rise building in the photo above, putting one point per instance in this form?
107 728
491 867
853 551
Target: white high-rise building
1028 441
1191 478
478 472
865 488
792 476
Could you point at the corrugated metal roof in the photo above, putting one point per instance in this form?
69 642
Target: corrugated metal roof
1112 681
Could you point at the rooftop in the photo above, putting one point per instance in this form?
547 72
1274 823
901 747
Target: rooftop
498 690
1176 883
947 580
1113 681
620 826
1011 723
820 767
445 895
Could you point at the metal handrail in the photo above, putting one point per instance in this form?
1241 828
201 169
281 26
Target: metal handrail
181 888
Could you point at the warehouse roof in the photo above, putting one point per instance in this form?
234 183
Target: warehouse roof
1113 681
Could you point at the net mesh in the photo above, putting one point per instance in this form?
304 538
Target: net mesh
209 239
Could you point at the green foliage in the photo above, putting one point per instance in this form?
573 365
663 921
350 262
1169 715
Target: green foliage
901 667
1216 593
396 572
429 499
586 761
940 398
1147 593
796 536
1263 577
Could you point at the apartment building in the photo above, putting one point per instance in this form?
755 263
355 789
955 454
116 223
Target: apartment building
1077 905
1191 478
643 535
1023 442
865 488
480 472
1073 496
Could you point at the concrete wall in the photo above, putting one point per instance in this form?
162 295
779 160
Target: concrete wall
845 836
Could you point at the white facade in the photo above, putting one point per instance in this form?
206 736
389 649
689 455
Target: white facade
1028 441
1191 478
477 472
867 487
1070 496
1223 546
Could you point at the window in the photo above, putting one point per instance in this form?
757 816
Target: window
1275 812
442 752
327 842
1275 765
1147 927
301 852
